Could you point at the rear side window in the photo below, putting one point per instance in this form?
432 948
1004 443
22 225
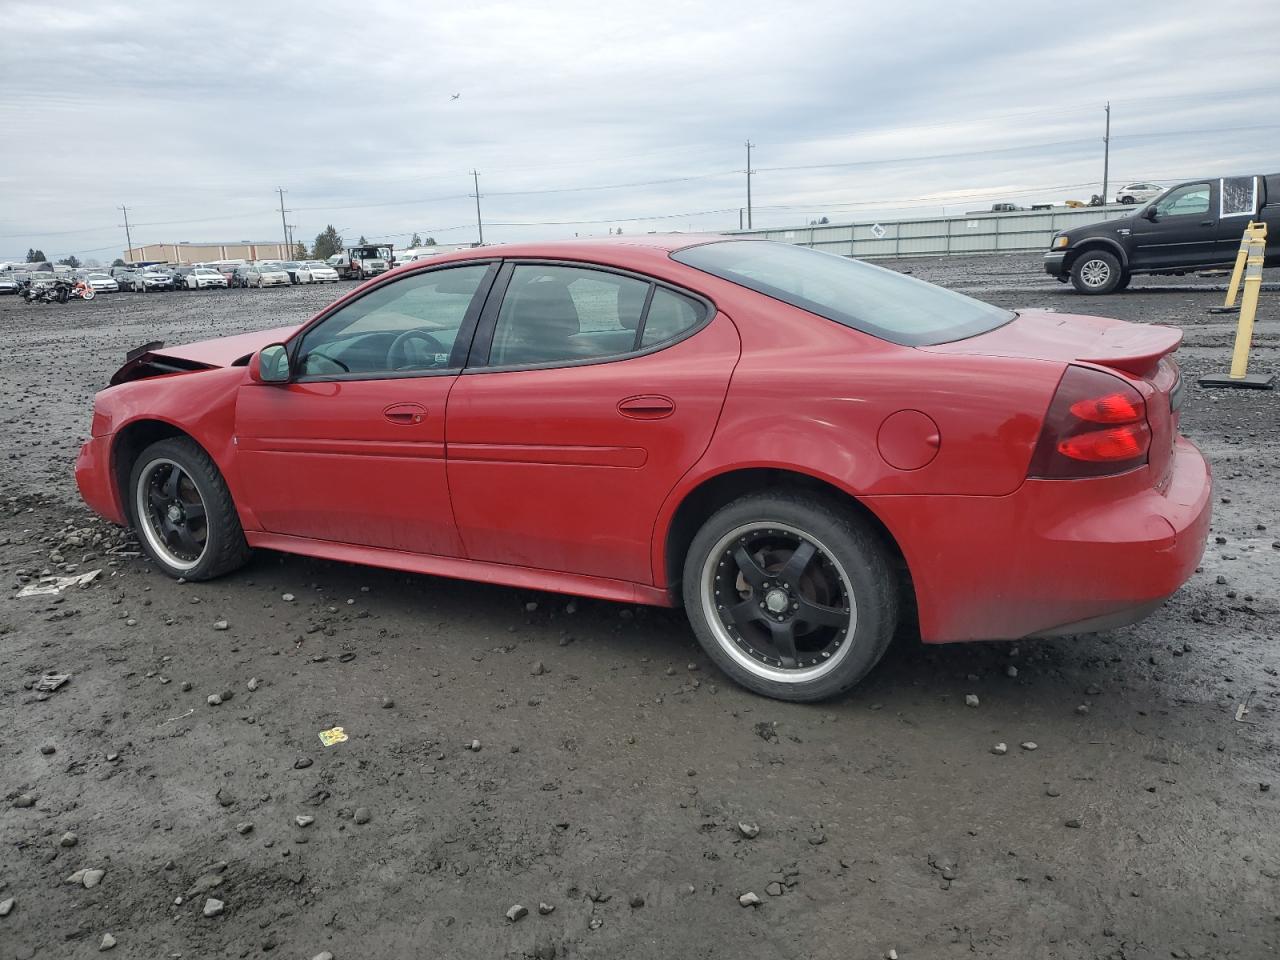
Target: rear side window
877 301
670 315
561 314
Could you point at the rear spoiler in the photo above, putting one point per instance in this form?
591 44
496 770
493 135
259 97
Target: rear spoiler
1136 348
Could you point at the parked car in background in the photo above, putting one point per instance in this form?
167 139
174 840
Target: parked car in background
128 279
291 268
315 271
225 267
101 283
180 274
202 278
1193 226
156 278
1138 192
667 421
266 275
9 284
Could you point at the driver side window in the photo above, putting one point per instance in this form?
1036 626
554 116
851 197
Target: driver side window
406 326
1185 201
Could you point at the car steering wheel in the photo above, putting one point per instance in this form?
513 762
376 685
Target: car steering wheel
398 344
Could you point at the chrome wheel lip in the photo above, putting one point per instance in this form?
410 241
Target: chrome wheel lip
146 524
1095 273
727 643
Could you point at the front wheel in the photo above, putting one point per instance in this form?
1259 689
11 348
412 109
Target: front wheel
88 294
792 596
1096 272
183 511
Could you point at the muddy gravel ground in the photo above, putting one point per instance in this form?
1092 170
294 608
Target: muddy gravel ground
584 760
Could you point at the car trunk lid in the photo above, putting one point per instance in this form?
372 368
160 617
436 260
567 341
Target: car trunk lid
1142 353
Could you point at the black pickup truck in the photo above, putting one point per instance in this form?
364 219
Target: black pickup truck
1193 226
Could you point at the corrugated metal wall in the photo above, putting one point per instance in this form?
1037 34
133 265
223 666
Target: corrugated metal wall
1024 230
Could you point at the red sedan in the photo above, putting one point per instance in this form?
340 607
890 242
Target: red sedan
801 449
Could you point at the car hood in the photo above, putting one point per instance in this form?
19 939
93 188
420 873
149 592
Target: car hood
1064 337
1103 228
154 359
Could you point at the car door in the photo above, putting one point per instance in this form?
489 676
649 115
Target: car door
588 395
1180 229
352 448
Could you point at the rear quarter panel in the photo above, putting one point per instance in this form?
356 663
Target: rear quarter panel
809 395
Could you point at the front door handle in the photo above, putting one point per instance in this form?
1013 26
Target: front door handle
405 413
1206 223
648 407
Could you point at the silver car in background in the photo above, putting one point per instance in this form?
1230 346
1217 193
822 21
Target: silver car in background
266 275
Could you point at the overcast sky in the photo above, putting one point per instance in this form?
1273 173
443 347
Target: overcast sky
622 115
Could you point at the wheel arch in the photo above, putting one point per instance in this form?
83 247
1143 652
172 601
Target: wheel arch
712 492
128 443
1098 243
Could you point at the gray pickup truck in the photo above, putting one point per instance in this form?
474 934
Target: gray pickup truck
1193 226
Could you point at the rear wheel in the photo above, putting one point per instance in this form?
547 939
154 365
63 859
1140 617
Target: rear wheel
183 512
791 596
1125 277
1096 272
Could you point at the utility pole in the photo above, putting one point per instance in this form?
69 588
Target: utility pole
284 226
749 172
291 226
127 239
1106 155
479 223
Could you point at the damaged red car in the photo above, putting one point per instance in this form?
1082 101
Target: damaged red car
804 451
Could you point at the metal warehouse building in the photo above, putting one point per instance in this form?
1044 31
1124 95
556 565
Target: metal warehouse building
207 252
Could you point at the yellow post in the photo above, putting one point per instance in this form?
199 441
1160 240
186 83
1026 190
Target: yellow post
1233 288
1253 253
1248 306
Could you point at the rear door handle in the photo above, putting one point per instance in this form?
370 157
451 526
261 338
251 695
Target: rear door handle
405 413
1206 223
648 407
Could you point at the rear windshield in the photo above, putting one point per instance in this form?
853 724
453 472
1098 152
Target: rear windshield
877 301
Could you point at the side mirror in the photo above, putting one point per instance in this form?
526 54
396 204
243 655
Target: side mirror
270 365
1149 213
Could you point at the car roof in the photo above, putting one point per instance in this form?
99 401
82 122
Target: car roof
616 251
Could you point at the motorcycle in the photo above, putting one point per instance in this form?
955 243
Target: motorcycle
57 291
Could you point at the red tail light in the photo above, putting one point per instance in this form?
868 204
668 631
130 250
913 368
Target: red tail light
1096 426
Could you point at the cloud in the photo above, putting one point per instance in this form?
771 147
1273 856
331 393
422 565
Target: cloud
193 118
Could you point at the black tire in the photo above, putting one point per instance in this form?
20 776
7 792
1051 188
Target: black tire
1128 200
1125 277
221 544
846 573
1096 272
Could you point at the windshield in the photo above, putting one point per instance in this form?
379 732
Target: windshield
877 301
